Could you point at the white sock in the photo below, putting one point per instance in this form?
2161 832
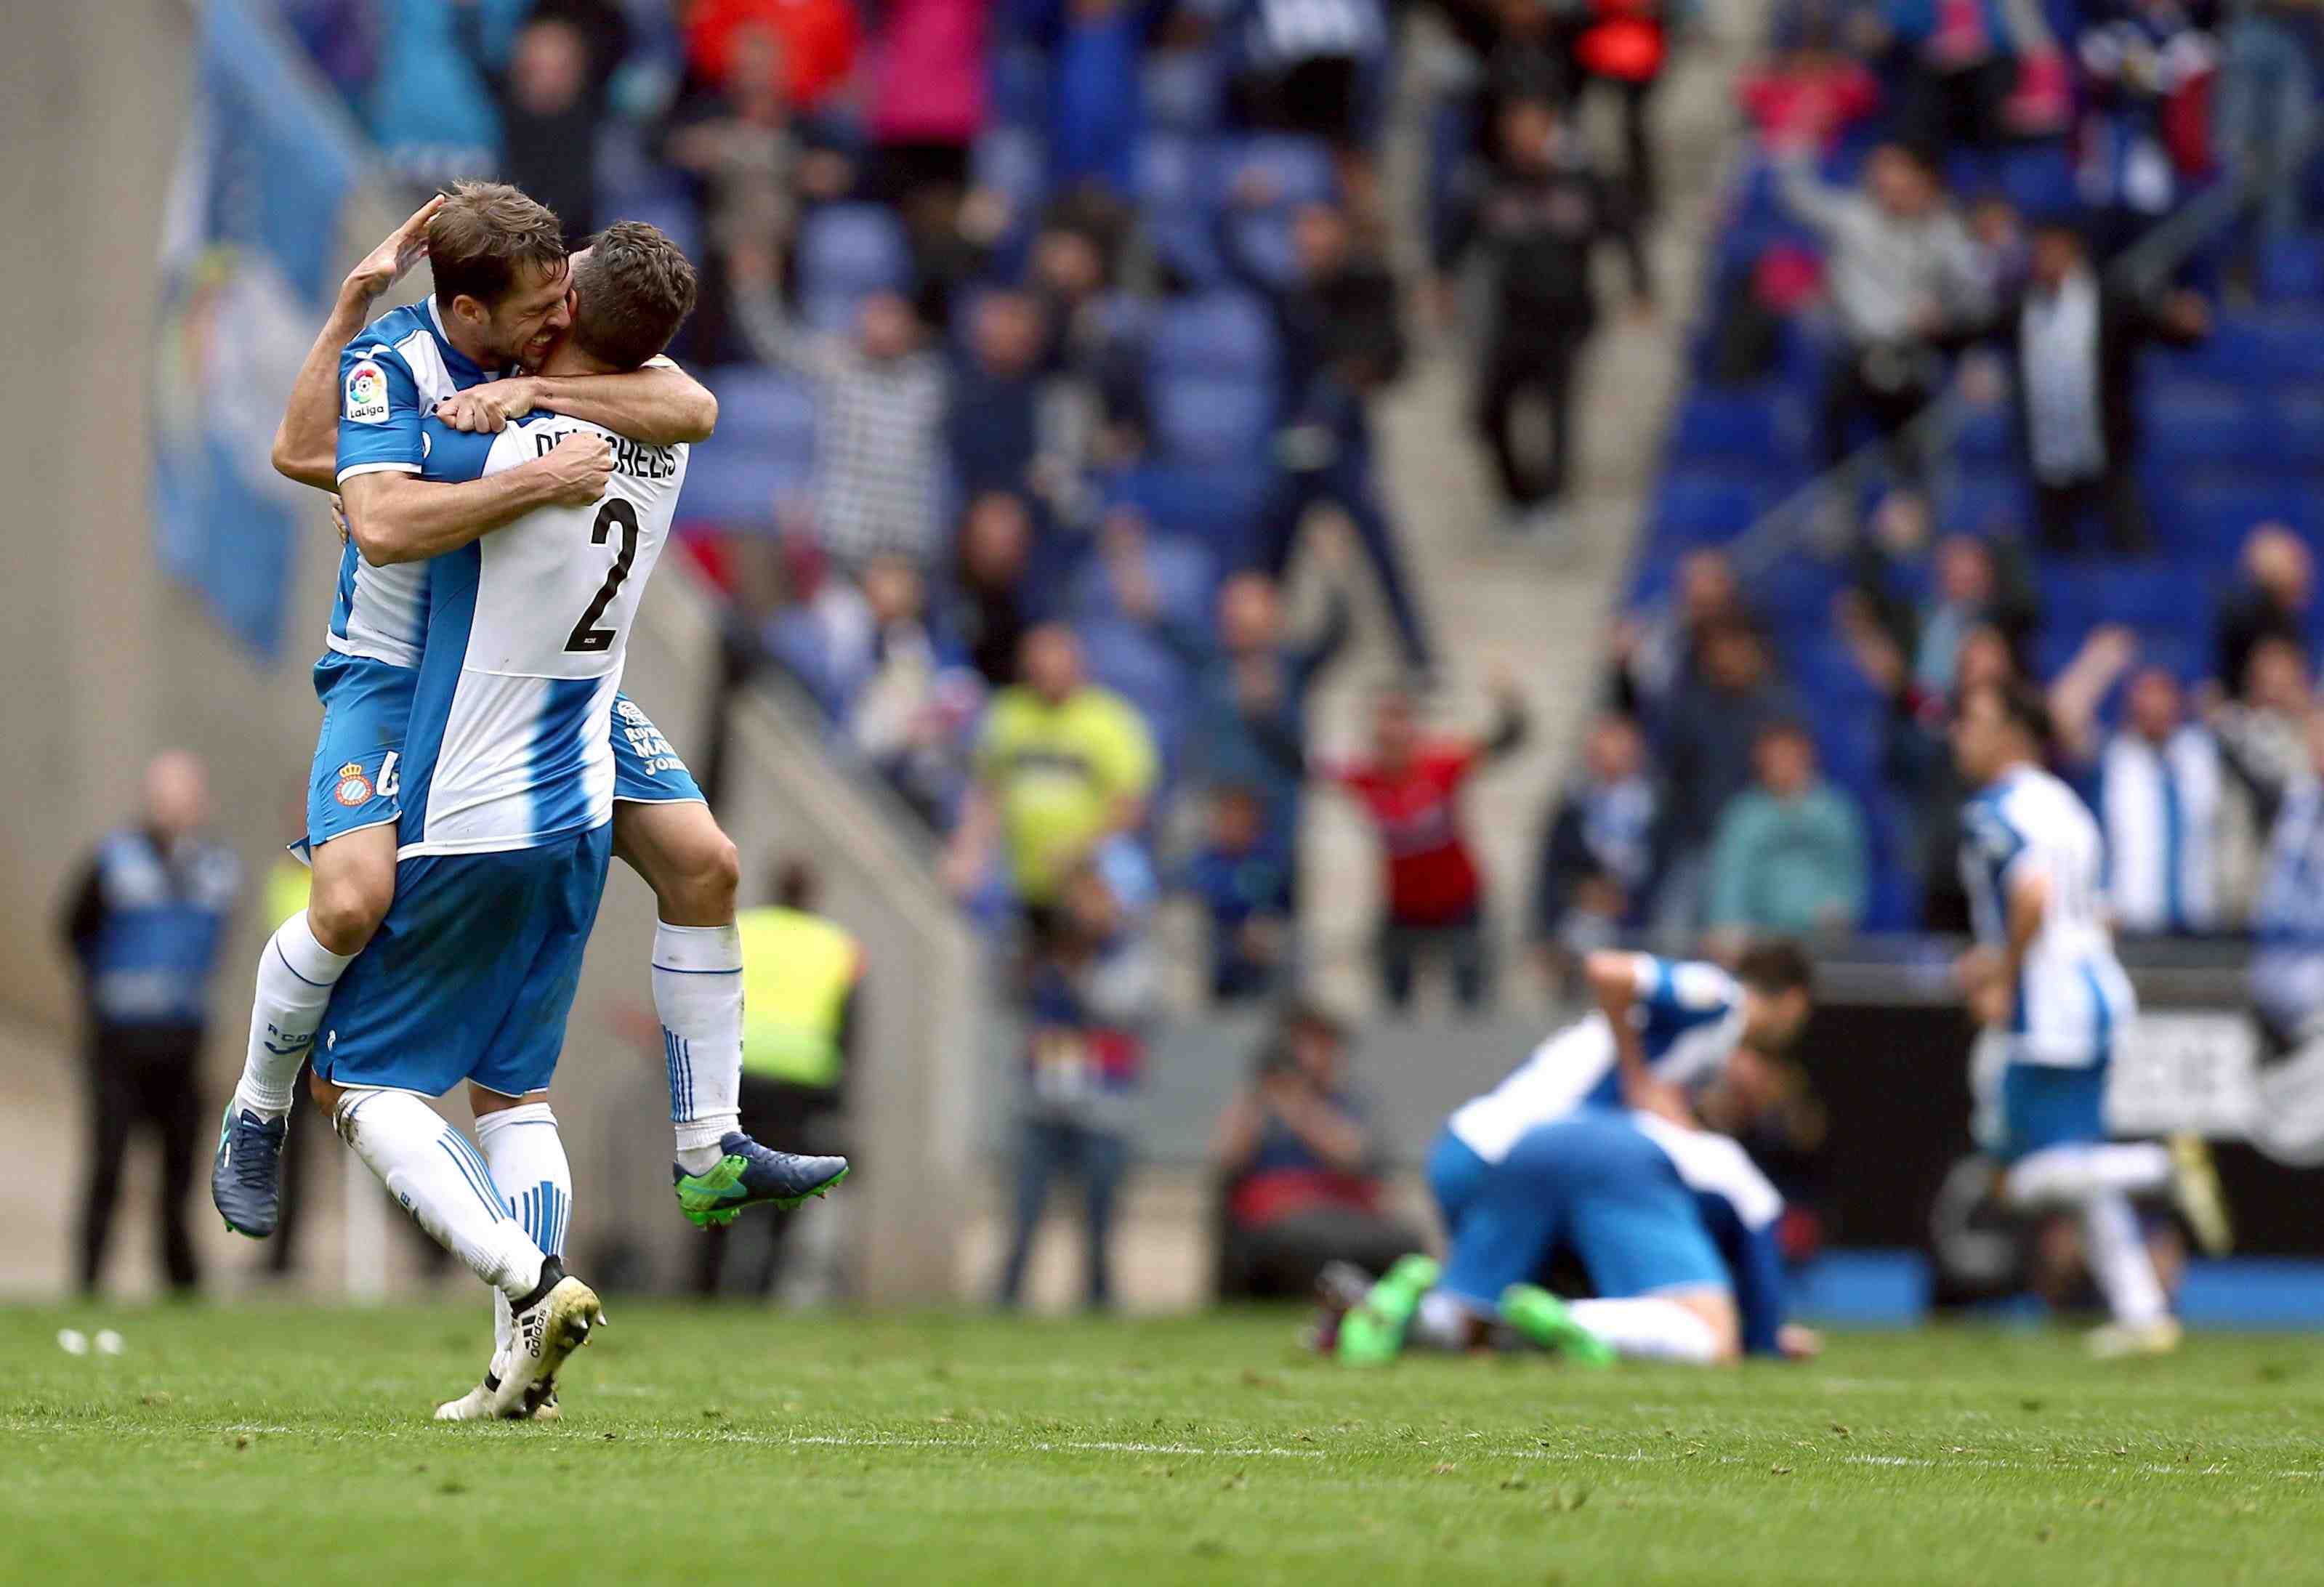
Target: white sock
2120 1261
697 988
527 1158
295 977
1439 1323
2071 1175
431 1169
1649 1326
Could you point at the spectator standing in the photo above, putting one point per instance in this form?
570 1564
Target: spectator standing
878 462
2273 599
1623 45
144 921
1658 647
810 45
2074 343
550 94
2136 63
1900 271
1540 219
1707 741
1313 67
994 426
2287 974
1088 991
1240 875
907 705
1411 788
2159 781
431 113
1251 687
1597 854
1340 340
989 607
2262 731
1809 94
1063 766
2266 109
1301 1166
802 978
1789 854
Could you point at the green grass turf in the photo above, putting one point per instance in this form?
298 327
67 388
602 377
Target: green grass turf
263 1444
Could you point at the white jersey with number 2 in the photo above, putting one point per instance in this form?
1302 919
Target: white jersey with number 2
527 628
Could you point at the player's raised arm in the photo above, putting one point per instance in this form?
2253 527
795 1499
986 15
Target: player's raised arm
660 404
398 517
306 443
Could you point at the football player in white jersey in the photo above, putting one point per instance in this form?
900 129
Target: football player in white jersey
505 833
2033 863
1507 1164
503 293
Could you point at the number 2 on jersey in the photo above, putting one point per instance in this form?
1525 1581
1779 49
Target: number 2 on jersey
585 636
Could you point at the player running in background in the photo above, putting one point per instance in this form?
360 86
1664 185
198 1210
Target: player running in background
506 830
502 293
2034 862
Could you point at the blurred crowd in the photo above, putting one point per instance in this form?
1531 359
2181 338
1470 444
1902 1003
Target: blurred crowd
1046 333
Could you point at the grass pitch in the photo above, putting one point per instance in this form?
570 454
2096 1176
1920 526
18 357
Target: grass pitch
265 1445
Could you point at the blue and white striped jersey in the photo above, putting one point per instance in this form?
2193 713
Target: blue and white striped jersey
527 628
1689 1017
2071 994
390 378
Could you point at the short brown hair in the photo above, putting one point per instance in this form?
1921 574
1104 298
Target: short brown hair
635 289
480 236
1775 966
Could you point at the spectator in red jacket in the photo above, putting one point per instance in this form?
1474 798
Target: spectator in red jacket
1410 786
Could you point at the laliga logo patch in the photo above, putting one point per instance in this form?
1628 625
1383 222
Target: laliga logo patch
354 788
366 395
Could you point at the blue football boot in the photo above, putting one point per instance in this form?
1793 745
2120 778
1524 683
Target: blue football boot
246 1174
750 1174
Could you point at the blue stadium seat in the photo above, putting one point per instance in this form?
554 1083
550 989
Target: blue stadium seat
1020 85
1207 420
2292 344
2039 180
1989 435
2291 269
2295 417
847 251
741 488
1217 505
1753 425
2195 421
1222 334
1298 168
1182 89
1711 507
1982 502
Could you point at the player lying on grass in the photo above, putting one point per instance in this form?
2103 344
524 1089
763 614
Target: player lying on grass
506 828
2044 972
1660 1028
1674 1226
501 297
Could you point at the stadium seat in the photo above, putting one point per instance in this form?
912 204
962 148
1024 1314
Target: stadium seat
1224 335
1753 425
847 251
1020 85
2292 270
1987 435
740 488
2295 421
2193 422
1181 90
1982 502
1206 420
1711 507
1297 170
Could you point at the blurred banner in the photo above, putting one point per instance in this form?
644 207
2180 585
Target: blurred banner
247 243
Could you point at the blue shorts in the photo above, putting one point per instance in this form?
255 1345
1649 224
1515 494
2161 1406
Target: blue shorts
1593 1184
2045 1105
366 707
473 973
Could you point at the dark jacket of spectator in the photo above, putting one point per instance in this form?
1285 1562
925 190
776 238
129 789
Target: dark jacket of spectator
1301 1170
1707 737
2073 342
